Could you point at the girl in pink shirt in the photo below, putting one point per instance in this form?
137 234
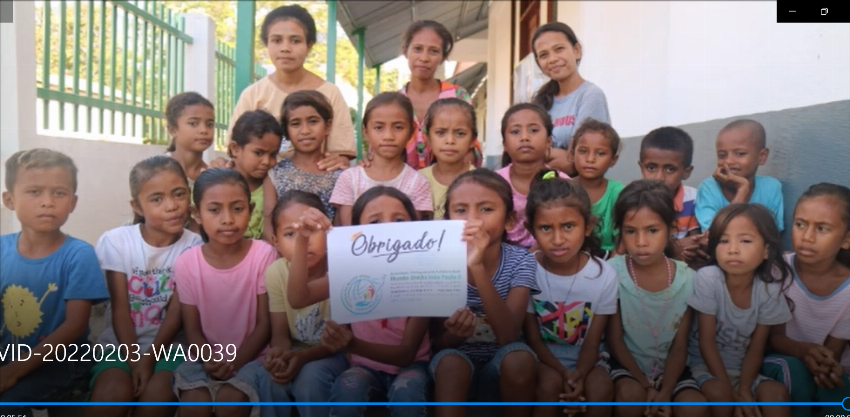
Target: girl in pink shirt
527 139
388 355
223 301
387 126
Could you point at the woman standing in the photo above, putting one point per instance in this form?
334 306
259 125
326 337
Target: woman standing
289 33
567 96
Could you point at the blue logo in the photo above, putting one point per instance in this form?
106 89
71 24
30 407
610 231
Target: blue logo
362 294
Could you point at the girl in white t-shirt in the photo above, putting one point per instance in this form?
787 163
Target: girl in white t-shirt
137 261
578 294
387 127
811 354
737 299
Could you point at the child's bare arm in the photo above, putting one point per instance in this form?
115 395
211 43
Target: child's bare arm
505 316
535 342
300 291
678 354
753 357
122 324
589 352
77 313
708 346
269 200
259 337
192 325
170 324
620 352
343 213
279 325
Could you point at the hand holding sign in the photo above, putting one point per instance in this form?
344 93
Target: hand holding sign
312 221
461 323
476 239
408 269
335 337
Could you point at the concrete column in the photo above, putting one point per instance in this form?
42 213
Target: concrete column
18 117
199 71
499 68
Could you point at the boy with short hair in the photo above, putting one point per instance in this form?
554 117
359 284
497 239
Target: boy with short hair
741 149
666 154
49 282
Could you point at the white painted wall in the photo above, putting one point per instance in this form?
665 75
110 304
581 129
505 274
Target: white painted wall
672 63
499 68
471 49
17 101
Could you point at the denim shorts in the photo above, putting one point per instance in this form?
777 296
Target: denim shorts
484 385
567 355
191 375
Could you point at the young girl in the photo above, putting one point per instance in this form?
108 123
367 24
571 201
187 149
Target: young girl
737 299
289 33
596 147
389 356
255 141
482 355
451 131
387 126
191 124
648 337
565 322
812 357
299 366
527 138
190 119
306 118
223 300
137 261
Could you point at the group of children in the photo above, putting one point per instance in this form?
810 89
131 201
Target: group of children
579 289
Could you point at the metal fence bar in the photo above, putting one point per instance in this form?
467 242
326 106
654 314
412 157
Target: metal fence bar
45 64
89 62
112 68
124 70
102 68
62 57
76 63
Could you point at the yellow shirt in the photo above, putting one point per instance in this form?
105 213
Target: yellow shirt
265 95
255 224
306 324
438 191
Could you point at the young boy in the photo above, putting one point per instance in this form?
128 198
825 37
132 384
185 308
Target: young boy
49 283
741 149
666 154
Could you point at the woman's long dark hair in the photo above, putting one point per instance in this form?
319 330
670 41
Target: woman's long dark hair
545 96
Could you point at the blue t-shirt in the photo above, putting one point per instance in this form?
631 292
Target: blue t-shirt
710 199
517 268
33 291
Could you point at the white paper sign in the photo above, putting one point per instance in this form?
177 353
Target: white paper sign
387 270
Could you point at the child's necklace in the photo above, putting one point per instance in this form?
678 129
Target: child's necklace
656 363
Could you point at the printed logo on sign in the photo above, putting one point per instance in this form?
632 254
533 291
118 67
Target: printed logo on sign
362 294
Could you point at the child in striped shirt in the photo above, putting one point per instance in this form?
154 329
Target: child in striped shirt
811 355
666 154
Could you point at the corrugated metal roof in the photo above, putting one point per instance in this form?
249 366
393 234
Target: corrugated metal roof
471 77
384 22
